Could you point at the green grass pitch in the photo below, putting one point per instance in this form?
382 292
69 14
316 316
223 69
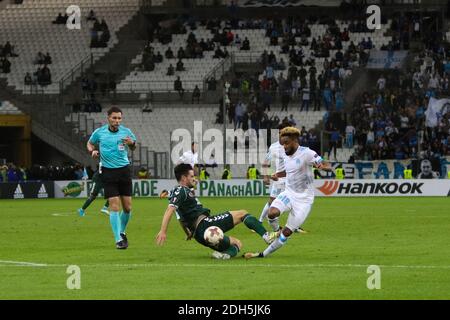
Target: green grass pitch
408 238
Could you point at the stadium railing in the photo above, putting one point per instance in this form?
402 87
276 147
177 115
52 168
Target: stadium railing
77 71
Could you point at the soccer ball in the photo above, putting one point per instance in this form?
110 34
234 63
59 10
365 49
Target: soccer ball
213 235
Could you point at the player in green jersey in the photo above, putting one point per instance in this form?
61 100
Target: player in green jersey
97 185
195 219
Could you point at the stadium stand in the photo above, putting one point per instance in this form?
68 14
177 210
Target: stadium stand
302 63
157 80
154 129
29 27
256 33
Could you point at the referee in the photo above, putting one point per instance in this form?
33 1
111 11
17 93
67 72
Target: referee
111 143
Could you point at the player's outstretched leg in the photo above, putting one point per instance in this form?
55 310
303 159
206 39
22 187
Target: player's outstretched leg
231 251
274 246
253 224
86 204
296 218
278 243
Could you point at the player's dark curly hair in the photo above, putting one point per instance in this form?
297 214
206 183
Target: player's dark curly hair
182 170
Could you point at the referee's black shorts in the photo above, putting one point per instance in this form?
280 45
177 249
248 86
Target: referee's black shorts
117 182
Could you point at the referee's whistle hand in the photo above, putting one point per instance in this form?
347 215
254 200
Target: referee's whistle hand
128 141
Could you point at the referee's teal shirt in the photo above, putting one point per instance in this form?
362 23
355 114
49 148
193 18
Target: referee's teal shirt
113 151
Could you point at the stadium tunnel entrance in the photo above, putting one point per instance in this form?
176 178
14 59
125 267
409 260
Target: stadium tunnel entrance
15 134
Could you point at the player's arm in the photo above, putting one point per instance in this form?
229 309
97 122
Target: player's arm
319 163
265 167
164 194
326 166
281 170
278 175
265 172
162 234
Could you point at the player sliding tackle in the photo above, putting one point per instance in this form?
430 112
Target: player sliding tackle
299 194
195 219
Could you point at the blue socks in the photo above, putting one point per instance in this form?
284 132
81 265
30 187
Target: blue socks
115 224
124 218
119 223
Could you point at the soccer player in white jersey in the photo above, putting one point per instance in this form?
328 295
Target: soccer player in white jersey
190 157
274 158
298 196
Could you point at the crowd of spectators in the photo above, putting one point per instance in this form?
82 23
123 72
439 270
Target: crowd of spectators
99 31
92 86
100 34
60 19
42 76
7 51
72 171
150 58
390 121
253 116
301 83
13 173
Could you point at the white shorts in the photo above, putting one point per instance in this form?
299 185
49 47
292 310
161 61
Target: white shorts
276 188
298 204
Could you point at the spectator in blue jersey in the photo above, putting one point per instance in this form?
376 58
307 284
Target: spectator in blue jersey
334 139
327 97
12 173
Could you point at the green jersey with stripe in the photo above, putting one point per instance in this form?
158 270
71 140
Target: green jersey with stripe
188 206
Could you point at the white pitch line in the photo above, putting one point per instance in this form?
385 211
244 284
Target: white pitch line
21 264
221 265
62 214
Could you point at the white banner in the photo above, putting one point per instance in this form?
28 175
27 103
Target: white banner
256 188
386 59
436 109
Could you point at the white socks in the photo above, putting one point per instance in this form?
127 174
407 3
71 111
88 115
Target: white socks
274 246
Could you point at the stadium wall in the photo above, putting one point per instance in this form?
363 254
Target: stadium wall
256 188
